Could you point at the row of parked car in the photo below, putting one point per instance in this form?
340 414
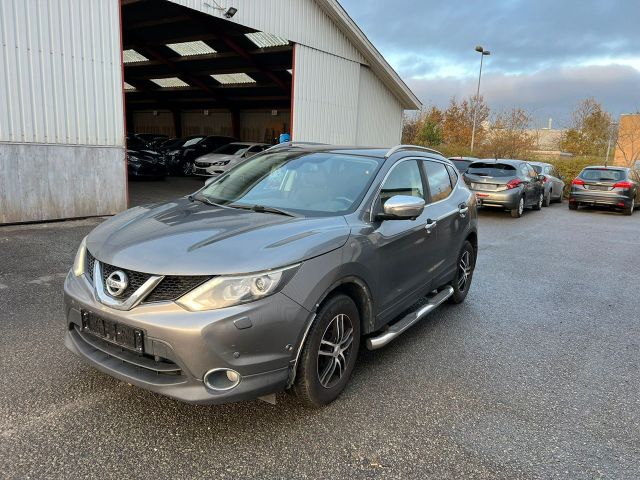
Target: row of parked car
156 156
515 185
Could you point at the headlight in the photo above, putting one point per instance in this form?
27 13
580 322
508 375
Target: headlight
226 291
222 162
81 258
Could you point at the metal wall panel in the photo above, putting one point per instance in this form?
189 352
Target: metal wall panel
325 97
147 122
379 112
300 21
197 123
46 182
61 72
263 126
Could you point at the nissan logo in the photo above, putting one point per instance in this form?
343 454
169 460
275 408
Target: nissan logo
117 283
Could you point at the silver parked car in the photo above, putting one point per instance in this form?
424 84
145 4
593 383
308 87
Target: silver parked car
553 182
272 276
226 157
508 184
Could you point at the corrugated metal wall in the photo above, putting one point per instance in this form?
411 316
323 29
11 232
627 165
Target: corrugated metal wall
342 102
197 123
60 79
379 112
61 121
300 21
325 97
263 126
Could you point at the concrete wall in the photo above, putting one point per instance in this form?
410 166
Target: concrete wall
47 182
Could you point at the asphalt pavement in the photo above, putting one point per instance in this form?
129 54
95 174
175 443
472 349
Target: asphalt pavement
536 375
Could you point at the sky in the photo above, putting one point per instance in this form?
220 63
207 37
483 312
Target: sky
546 55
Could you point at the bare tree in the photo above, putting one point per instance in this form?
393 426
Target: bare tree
509 135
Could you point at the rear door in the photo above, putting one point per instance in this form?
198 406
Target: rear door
530 186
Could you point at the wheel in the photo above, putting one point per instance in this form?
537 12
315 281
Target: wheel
539 203
629 210
517 212
547 199
329 353
187 169
464 273
573 205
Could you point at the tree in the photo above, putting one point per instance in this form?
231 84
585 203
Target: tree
429 133
627 143
589 130
410 126
458 122
509 135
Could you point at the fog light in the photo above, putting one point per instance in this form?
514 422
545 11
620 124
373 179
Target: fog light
221 379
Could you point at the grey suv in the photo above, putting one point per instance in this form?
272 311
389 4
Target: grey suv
271 277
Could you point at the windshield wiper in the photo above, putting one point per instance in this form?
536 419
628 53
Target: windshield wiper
263 209
205 200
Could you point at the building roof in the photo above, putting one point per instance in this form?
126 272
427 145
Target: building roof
376 61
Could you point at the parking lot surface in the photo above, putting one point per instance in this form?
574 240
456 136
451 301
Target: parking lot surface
536 375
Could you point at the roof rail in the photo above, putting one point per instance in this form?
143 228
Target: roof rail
293 144
397 148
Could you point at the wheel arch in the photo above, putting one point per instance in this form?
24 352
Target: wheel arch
358 290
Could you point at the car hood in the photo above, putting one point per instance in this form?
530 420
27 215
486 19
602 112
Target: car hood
191 238
216 157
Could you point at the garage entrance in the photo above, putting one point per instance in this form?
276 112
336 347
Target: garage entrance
189 74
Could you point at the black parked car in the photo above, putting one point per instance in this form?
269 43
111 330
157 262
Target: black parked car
142 161
615 187
153 139
180 157
509 184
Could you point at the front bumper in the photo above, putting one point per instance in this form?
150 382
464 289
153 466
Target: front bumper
611 199
181 346
507 199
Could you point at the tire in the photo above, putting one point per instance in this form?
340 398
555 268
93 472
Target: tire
631 208
539 203
573 205
186 169
547 199
466 263
517 212
322 377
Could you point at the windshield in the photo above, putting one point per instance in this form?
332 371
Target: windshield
491 169
136 143
320 183
603 175
232 149
537 168
190 141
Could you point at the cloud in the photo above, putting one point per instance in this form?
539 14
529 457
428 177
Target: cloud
547 93
546 55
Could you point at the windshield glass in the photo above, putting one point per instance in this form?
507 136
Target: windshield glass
603 175
190 141
136 143
232 149
537 168
491 169
319 183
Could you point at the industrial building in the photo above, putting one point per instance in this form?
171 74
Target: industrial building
79 74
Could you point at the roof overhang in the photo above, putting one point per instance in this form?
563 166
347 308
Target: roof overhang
376 61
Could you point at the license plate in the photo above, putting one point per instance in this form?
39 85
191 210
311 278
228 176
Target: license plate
598 187
114 332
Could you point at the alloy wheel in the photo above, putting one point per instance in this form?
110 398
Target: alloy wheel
334 351
521 206
464 270
540 201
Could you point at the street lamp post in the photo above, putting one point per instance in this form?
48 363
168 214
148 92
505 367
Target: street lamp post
482 53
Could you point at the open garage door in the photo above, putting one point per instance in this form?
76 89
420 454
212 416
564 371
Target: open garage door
189 75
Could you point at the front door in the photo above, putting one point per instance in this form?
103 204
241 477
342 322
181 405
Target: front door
405 249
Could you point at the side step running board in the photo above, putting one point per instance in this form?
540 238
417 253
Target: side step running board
396 329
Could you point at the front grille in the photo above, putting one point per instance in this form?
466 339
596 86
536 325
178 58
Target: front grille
136 279
91 261
170 288
173 287
202 164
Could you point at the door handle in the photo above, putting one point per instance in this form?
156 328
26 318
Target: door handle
430 224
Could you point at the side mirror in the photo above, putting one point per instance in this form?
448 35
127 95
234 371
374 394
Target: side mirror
562 177
541 178
402 207
209 180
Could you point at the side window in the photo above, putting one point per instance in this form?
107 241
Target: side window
404 179
523 170
532 172
438 179
453 175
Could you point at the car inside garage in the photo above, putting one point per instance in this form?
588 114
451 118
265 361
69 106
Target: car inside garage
192 83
